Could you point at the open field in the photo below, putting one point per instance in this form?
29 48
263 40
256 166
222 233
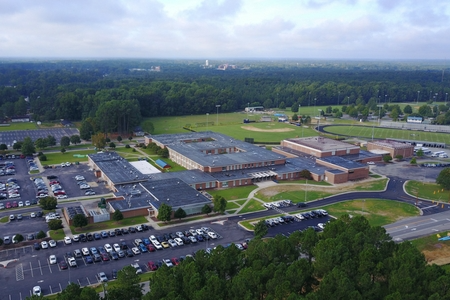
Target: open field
58 157
382 133
19 126
234 193
435 252
430 191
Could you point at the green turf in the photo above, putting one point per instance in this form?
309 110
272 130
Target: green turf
19 126
57 235
378 212
303 181
382 133
295 196
232 205
429 242
58 157
234 193
110 224
251 206
430 191
240 202
377 185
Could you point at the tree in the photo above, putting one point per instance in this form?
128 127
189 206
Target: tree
80 220
28 147
220 204
74 291
387 158
75 139
260 229
18 238
55 224
408 109
48 203
425 111
42 157
399 157
119 138
41 234
3 147
164 212
294 107
41 143
306 174
443 178
180 213
63 150
51 141
65 141
86 129
420 153
413 161
127 285
130 138
206 209
112 145
117 215
99 141
295 117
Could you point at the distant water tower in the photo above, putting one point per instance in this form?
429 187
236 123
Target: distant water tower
207 63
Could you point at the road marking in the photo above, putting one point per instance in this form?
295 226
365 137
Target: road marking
434 229
79 283
40 268
31 269
88 281
413 229
50 268
434 220
50 287
406 226
19 272
39 281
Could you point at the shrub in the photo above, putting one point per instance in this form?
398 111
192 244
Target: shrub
127 146
41 234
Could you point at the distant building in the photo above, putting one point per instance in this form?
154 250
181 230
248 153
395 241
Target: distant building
320 147
20 119
66 123
390 147
252 109
414 120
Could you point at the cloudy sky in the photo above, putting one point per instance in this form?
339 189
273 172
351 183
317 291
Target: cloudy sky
209 29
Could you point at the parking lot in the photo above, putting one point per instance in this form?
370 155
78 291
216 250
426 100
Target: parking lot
10 137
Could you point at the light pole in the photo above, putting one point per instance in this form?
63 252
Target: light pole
207 117
315 104
248 108
418 94
320 114
309 99
348 101
379 115
217 107
446 94
385 96
430 94
339 93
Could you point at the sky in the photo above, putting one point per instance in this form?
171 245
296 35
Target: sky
215 29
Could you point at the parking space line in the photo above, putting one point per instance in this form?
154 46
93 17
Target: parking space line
49 267
60 288
79 283
50 287
31 269
40 268
87 278
19 272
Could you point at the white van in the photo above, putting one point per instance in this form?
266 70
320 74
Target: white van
443 155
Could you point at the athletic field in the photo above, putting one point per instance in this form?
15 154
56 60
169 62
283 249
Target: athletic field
383 133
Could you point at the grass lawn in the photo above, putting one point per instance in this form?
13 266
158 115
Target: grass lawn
58 157
232 205
19 126
435 251
231 211
295 196
382 133
377 185
430 191
234 193
57 235
378 212
5 219
252 205
303 181
240 202
109 225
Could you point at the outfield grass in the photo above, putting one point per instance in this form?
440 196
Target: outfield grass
234 193
424 190
58 157
19 126
252 206
382 133
378 212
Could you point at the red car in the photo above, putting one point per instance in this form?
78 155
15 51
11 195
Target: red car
105 257
8 204
54 182
59 193
150 248
152 266
14 204
175 261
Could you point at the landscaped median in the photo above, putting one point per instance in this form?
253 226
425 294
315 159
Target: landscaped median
426 190
378 212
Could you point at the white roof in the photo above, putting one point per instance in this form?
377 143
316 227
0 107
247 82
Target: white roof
144 167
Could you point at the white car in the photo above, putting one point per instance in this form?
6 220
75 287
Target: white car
300 216
85 251
179 241
116 247
321 226
27 203
102 277
37 291
199 231
168 262
52 243
52 259
152 238
193 232
72 262
212 235
172 243
61 197
108 248
193 239
79 178
33 215
67 240
179 234
20 204
136 250
76 238
157 245
44 245
370 163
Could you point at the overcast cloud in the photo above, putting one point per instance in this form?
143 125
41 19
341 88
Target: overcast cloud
211 29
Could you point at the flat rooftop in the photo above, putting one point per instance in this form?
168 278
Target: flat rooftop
116 168
208 140
144 167
391 144
322 144
342 162
188 176
173 192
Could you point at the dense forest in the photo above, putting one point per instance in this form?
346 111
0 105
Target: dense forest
101 90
